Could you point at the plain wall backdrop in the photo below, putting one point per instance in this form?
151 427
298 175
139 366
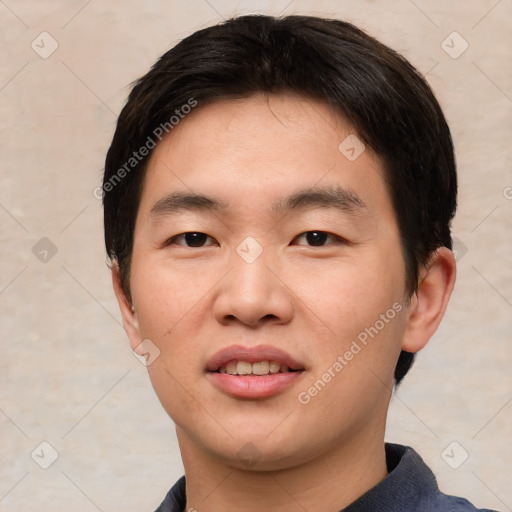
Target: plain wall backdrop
68 376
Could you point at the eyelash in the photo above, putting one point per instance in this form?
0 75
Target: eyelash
172 240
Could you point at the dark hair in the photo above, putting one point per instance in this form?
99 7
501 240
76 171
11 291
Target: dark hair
386 101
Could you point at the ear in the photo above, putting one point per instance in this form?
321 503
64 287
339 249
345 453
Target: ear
429 302
129 315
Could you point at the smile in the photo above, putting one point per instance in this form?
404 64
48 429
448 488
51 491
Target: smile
253 372
260 368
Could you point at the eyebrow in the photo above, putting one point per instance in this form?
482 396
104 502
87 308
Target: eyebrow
337 197
325 197
183 201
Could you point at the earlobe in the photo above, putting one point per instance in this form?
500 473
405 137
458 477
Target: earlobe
429 303
128 313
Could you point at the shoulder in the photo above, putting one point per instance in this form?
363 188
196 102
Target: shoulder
412 468
446 503
176 498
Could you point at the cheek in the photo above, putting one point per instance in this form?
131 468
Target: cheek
171 305
168 299
349 296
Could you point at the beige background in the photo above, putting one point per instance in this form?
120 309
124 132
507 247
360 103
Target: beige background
68 376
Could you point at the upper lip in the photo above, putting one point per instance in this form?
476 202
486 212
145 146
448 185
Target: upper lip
252 355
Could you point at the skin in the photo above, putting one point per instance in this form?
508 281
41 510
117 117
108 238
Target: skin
311 301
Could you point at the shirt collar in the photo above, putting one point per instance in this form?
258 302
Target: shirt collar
408 483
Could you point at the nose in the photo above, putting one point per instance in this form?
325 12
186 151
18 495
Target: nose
253 294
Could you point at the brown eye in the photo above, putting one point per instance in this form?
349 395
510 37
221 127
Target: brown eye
195 239
190 239
317 238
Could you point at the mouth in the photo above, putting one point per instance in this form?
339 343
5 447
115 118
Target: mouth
259 368
256 372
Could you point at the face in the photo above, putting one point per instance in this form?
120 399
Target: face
267 270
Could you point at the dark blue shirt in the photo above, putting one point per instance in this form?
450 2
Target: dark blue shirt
410 486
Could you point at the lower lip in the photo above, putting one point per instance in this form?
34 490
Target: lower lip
254 386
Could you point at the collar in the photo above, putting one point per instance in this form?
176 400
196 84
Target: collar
409 485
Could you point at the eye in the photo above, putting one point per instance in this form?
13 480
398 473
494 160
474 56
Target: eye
190 239
318 238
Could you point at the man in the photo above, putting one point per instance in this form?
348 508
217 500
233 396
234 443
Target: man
278 197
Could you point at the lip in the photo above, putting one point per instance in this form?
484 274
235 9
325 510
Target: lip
254 386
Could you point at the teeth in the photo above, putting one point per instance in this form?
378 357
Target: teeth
231 368
259 368
274 367
243 368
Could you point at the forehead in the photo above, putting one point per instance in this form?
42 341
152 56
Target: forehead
252 152
243 126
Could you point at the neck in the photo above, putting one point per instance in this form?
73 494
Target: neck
329 482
